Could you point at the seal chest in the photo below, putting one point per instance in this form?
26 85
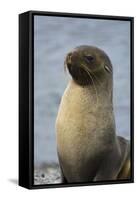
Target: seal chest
76 125
85 124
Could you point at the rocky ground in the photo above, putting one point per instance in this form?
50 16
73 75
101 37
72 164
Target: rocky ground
47 174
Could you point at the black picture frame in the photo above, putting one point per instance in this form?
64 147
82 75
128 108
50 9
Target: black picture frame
26 97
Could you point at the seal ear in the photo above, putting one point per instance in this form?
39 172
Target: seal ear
108 69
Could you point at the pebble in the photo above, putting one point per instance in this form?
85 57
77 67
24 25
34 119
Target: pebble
47 175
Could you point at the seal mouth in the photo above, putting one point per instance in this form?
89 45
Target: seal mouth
79 72
80 75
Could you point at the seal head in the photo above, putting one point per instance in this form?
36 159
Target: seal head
85 61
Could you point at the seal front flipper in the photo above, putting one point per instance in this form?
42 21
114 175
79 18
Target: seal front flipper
116 165
109 167
125 170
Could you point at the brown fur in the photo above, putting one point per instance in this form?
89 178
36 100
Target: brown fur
87 145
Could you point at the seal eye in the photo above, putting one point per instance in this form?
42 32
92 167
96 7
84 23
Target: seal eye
89 58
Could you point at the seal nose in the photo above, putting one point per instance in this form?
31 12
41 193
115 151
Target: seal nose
69 58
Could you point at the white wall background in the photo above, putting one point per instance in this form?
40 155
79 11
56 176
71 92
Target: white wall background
9 11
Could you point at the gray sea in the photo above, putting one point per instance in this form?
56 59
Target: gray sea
54 37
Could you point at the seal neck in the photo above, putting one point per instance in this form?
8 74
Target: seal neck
101 92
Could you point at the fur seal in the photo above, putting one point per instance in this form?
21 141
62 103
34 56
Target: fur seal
87 144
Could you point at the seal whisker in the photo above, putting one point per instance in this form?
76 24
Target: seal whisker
88 72
96 78
94 87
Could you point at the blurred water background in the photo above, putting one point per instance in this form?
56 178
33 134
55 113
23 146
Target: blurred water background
54 37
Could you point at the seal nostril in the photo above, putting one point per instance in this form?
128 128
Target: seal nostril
70 54
69 57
